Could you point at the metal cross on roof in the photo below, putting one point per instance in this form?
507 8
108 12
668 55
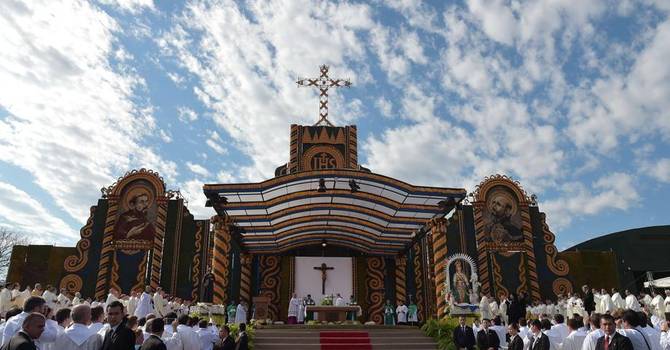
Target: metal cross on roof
323 83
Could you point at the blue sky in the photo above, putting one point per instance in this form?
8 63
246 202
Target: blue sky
571 98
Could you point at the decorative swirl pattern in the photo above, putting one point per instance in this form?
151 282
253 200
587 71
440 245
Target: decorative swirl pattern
74 263
523 281
115 273
195 272
558 266
497 277
418 280
562 286
270 268
401 279
245 277
72 283
141 283
221 259
375 285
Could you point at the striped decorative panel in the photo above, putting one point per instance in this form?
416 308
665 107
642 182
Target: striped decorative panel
439 234
157 250
106 254
245 277
221 263
401 279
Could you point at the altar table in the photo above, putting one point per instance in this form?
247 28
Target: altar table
333 313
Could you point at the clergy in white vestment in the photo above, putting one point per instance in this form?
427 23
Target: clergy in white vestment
339 301
301 311
645 299
189 338
62 299
144 306
112 296
484 307
617 299
632 302
206 335
78 336
17 296
594 334
606 301
77 299
14 324
132 303
658 306
5 299
50 297
97 318
159 303
241 313
493 306
401 313
293 309
560 328
575 339
666 302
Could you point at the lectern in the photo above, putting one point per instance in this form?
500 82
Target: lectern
261 307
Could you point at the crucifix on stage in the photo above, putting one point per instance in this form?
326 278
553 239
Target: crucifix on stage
323 83
323 268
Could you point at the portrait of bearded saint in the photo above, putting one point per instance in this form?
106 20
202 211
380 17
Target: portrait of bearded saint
133 223
461 284
500 227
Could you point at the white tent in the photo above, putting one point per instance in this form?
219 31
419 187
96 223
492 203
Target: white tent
659 283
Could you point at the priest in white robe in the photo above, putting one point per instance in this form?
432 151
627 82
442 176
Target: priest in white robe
50 296
241 313
132 303
339 301
631 302
485 307
144 306
77 299
606 301
666 303
159 303
293 309
111 297
63 300
5 299
617 299
401 313
658 306
645 299
17 299
78 336
301 312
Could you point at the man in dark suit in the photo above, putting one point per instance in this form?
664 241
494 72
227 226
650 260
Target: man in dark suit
539 340
612 340
242 339
155 327
31 329
515 341
118 337
464 337
487 339
226 342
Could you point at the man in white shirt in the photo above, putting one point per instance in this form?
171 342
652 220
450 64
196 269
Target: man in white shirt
14 324
574 340
632 330
500 331
78 336
187 335
206 335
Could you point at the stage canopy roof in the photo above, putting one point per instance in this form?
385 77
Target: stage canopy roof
356 209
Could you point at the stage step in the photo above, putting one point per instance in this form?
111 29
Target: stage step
310 338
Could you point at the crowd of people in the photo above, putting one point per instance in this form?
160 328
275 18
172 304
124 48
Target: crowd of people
593 320
148 321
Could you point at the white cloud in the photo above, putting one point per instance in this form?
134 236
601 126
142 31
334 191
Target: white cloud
245 73
165 136
71 122
384 106
22 213
497 19
214 142
197 169
614 191
187 115
658 169
192 192
132 6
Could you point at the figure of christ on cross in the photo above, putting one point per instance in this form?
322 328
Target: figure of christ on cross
323 268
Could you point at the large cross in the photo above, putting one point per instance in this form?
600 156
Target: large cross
323 268
323 83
